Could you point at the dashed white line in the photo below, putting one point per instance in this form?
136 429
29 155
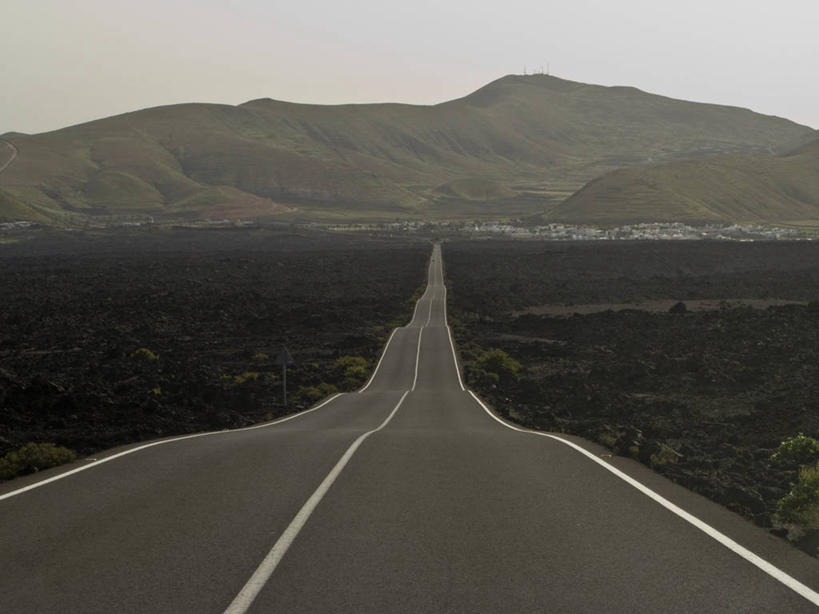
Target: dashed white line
254 585
773 571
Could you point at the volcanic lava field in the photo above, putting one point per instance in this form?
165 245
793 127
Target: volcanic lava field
695 358
704 391
128 336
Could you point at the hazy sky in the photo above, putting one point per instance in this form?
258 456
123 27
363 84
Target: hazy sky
68 61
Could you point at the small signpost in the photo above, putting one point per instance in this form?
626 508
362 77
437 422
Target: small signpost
284 358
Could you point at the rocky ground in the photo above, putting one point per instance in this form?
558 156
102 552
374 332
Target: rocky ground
109 338
704 397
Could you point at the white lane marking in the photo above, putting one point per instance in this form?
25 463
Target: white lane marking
420 335
773 571
377 366
452 345
418 302
254 585
160 443
417 357
455 359
384 353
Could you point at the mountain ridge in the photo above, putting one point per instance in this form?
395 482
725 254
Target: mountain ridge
781 190
517 146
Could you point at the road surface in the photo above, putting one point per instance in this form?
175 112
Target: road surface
408 496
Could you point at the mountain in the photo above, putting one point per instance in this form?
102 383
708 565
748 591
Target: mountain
519 145
781 189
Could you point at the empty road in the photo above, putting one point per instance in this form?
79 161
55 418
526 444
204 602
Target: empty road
408 496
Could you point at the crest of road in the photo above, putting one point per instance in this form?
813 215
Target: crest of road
407 496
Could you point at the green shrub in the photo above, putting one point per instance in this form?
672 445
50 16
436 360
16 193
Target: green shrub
483 379
607 439
144 354
497 362
664 455
353 371
801 505
311 394
231 381
799 450
345 362
33 457
247 376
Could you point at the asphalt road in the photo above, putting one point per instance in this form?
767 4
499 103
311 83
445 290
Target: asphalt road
408 496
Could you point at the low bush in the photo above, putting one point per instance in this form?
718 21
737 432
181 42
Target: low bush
144 354
33 457
309 395
799 450
353 370
497 365
801 505
665 454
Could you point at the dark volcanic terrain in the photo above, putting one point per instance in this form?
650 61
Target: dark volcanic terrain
704 396
122 337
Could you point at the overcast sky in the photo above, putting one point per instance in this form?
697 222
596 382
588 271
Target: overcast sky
69 61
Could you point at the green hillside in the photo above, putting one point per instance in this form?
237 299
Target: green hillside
519 145
780 190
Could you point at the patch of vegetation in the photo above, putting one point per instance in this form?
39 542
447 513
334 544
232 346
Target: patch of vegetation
174 311
33 457
801 505
798 450
665 454
354 371
144 354
493 367
309 395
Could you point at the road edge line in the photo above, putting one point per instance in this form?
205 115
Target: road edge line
417 356
96 463
243 600
395 330
777 574
452 344
380 360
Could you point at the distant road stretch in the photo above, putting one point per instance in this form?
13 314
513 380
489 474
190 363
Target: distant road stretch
408 496
14 153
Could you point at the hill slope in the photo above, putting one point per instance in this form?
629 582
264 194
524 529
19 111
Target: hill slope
515 146
780 189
